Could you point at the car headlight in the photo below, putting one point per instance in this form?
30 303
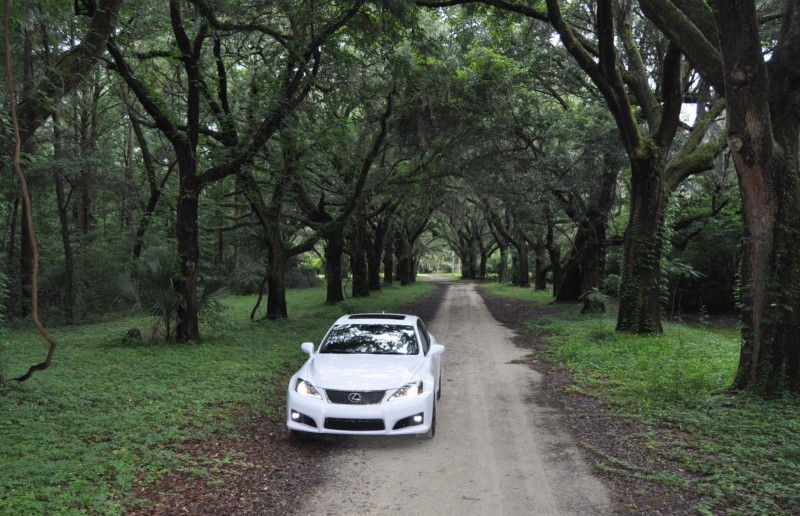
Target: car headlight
408 390
306 389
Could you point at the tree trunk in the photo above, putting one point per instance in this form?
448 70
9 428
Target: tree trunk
374 254
388 262
360 280
468 267
68 286
187 236
763 134
25 244
187 328
11 246
25 260
127 194
502 267
155 187
639 303
540 280
88 147
554 253
404 261
524 266
276 292
585 267
333 266
276 276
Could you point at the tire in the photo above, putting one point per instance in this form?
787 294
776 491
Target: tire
439 391
432 430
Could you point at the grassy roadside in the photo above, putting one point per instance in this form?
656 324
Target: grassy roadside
106 415
740 453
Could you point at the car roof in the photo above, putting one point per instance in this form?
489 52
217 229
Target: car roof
378 318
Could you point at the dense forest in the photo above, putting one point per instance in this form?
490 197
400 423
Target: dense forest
645 152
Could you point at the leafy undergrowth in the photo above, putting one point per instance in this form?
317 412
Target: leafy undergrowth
741 452
110 413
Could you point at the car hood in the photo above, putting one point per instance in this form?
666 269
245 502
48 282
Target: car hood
361 372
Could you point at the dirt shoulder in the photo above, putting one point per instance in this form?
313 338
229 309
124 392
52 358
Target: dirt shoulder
621 449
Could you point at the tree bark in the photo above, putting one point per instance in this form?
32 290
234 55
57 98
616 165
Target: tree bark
11 245
540 276
359 254
482 266
276 277
639 303
524 265
585 268
334 249
763 134
25 261
554 253
404 261
375 250
68 286
388 262
502 266
762 117
187 235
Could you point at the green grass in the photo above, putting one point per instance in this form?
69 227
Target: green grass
740 453
78 437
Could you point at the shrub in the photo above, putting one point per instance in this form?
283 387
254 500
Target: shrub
302 277
151 288
611 284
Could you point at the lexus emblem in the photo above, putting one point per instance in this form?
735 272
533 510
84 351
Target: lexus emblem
354 397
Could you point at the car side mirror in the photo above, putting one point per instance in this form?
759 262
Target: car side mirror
437 349
308 347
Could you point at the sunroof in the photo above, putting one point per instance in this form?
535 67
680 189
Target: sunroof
395 317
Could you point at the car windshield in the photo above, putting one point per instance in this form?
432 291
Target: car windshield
382 339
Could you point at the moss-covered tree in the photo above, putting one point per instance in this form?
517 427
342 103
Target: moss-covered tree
763 115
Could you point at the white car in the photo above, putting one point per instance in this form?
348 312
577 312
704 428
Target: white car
373 374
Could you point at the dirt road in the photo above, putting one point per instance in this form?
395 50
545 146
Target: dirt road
495 451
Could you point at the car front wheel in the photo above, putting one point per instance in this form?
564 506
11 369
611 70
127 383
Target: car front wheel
432 430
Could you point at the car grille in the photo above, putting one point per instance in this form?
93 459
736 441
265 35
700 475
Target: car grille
354 425
355 397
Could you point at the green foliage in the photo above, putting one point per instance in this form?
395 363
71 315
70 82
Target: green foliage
740 453
151 288
594 301
705 231
107 418
611 284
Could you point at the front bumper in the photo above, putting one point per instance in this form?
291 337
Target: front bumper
396 417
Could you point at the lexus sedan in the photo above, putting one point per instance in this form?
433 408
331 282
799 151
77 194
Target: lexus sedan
373 374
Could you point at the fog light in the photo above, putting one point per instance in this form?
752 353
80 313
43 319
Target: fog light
416 419
295 416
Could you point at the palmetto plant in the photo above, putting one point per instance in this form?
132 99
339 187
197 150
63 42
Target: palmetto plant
150 287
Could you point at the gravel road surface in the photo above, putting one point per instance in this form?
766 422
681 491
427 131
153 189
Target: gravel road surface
495 451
